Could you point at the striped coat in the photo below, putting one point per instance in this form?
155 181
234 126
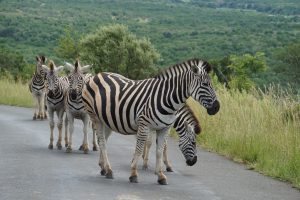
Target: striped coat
130 107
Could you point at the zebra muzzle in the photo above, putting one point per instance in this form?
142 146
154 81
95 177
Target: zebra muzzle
192 161
214 109
73 94
50 94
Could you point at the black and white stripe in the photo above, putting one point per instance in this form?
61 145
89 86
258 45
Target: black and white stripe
37 88
74 104
187 127
56 88
139 107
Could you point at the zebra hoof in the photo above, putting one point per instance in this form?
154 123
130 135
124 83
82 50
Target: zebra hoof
169 169
162 181
50 146
145 167
66 145
95 148
103 172
34 117
59 147
69 150
109 175
81 148
86 151
133 179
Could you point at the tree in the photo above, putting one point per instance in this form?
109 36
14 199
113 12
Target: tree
240 71
13 63
114 49
68 47
289 61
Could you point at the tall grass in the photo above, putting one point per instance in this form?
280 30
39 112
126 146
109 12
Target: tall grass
261 130
15 93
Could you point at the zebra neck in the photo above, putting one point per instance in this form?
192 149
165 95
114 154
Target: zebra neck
174 89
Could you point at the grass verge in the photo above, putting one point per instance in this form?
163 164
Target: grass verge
261 130
15 93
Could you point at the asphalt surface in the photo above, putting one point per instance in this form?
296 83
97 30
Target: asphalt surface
28 170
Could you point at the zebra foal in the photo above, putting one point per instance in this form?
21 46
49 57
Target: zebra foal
74 104
141 107
37 88
187 127
56 88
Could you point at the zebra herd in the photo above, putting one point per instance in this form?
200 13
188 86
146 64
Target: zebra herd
112 102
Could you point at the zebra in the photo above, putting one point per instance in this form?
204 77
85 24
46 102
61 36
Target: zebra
140 107
56 88
74 104
37 88
187 127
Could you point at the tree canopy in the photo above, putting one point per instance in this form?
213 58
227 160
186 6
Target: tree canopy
115 49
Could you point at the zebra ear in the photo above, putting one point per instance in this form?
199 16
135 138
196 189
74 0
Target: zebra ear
59 68
43 59
86 68
51 65
69 66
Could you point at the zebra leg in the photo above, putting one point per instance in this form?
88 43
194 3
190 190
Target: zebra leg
39 115
102 132
45 106
51 124
71 130
160 143
165 157
85 144
142 136
42 107
95 144
60 115
146 151
66 130
35 114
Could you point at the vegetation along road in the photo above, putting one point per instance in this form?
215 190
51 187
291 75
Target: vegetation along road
28 170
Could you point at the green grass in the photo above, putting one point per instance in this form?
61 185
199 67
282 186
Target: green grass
255 129
15 93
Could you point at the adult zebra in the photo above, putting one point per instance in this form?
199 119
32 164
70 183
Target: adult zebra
129 107
37 88
187 127
56 88
74 104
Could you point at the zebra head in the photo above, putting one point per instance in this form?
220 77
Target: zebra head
187 143
76 79
201 88
52 82
40 68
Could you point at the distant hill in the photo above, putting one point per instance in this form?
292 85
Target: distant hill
178 29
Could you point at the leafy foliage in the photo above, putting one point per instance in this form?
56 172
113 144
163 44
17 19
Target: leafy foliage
240 71
113 48
13 63
68 47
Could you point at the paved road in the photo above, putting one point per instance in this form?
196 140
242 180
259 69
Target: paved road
28 170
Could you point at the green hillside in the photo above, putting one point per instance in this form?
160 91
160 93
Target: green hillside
178 29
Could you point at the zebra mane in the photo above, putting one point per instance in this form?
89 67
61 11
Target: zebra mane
187 64
197 127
